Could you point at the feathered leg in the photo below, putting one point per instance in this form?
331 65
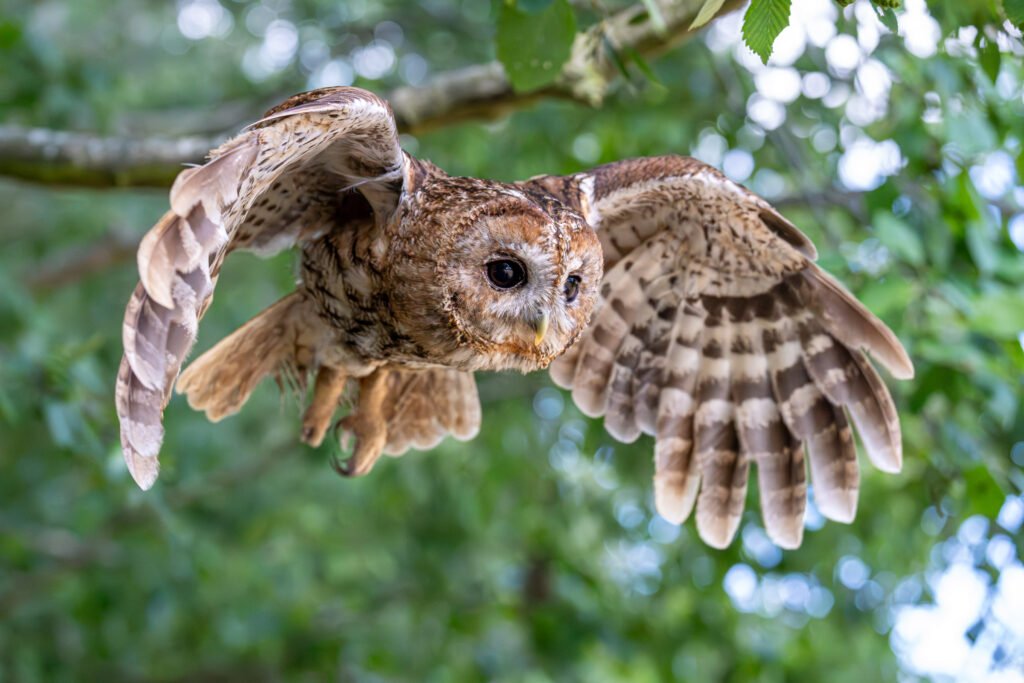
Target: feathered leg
367 424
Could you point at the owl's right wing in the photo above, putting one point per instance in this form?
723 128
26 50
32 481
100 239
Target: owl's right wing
718 335
281 181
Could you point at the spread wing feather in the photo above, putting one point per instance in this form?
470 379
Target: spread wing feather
718 335
247 196
429 405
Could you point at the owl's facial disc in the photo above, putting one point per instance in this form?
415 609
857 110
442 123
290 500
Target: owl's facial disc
526 286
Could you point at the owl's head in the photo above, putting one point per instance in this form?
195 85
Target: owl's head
521 280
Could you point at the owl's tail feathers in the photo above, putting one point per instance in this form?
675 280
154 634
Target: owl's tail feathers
220 381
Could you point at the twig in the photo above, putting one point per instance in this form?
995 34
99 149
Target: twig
78 263
482 91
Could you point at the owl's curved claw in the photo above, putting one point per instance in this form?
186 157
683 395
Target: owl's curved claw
370 438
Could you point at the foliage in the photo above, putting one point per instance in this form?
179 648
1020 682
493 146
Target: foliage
534 46
1014 10
763 23
532 553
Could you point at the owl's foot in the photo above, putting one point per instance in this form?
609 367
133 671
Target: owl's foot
370 438
330 384
367 425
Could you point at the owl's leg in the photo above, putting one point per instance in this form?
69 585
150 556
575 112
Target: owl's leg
367 424
330 384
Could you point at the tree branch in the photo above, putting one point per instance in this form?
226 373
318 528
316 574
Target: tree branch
80 262
482 91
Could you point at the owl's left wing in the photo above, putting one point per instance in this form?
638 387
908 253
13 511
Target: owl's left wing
284 180
717 334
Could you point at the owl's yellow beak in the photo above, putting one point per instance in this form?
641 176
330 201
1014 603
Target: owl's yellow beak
540 327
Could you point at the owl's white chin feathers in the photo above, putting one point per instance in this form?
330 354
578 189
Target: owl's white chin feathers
525 364
516 357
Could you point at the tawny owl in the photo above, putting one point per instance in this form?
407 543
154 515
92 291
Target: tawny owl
672 301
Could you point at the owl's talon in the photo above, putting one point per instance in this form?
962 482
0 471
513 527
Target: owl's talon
340 466
370 439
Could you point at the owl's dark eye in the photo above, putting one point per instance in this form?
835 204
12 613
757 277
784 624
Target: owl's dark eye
506 274
572 288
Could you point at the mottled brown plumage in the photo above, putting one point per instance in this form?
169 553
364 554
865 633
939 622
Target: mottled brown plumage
672 301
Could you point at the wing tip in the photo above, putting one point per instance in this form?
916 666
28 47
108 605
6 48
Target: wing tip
900 367
673 503
787 533
837 505
588 401
891 463
144 469
623 431
467 434
717 531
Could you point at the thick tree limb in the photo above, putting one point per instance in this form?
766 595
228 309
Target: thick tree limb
482 91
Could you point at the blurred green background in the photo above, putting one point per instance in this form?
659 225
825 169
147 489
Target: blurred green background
532 553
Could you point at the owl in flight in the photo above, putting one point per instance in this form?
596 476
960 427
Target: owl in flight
670 300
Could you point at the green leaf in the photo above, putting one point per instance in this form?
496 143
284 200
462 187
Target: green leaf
707 11
533 47
998 314
60 418
889 295
1015 12
643 66
10 34
990 59
899 237
980 244
762 24
982 494
617 59
888 18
